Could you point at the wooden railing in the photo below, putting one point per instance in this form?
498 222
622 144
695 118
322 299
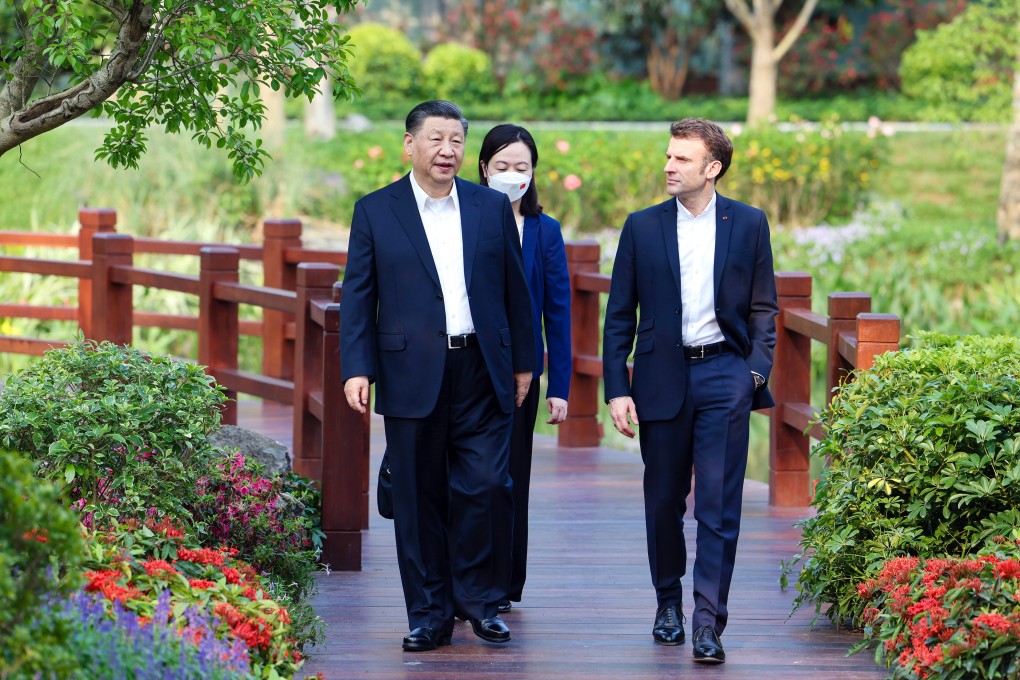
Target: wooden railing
300 330
301 363
849 331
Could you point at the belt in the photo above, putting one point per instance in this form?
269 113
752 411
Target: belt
461 341
705 351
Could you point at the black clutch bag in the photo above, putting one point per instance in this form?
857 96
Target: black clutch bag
384 489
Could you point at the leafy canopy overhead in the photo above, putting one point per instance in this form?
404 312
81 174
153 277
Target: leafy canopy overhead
187 65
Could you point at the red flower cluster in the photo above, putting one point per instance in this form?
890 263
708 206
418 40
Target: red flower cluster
202 556
255 632
166 527
38 535
105 582
159 568
931 613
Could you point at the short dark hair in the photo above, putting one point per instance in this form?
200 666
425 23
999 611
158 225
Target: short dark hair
719 146
435 108
499 138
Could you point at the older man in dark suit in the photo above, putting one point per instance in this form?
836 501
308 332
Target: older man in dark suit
697 270
435 310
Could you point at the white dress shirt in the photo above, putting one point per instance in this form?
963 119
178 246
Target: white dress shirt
441 219
695 235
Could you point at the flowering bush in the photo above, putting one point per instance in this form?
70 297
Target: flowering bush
252 513
123 430
805 177
922 457
98 645
212 583
946 617
799 178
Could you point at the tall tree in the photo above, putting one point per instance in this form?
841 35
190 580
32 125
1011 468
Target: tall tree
1009 196
759 20
194 65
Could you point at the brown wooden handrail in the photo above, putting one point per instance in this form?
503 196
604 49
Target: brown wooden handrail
300 338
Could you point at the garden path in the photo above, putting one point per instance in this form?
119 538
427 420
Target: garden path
588 605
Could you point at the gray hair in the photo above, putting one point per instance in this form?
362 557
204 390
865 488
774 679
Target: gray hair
436 108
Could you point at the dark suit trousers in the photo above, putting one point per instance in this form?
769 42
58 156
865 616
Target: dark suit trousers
522 437
452 498
710 435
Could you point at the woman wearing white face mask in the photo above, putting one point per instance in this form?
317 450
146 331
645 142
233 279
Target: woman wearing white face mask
506 162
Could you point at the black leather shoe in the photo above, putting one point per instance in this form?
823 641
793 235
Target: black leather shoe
707 646
504 606
424 640
669 626
491 630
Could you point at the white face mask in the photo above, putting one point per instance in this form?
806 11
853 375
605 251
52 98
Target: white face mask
513 184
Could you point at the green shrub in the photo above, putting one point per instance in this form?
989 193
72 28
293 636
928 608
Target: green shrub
40 550
386 66
924 460
459 73
963 70
125 431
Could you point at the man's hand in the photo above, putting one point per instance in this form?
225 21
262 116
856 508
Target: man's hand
522 382
557 410
620 408
356 391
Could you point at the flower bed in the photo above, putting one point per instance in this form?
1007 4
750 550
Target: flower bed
946 617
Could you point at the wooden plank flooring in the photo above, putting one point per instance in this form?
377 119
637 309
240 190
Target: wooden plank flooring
588 604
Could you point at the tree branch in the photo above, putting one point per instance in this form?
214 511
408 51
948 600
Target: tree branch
116 11
742 12
184 69
23 75
798 27
53 111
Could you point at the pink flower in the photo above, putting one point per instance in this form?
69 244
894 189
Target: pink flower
358 164
375 152
572 182
563 146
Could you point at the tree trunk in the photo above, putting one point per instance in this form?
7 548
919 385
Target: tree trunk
1009 196
764 73
276 118
320 116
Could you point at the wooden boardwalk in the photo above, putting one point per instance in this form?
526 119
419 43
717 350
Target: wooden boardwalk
588 604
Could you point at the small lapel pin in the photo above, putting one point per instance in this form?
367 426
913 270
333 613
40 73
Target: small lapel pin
724 217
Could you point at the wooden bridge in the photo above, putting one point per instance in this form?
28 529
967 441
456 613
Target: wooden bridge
588 603
588 607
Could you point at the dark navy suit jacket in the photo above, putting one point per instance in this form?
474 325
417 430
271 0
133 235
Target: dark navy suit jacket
646 278
392 315
545 268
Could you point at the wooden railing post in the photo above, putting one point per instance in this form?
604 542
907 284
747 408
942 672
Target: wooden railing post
217 319
843 311
277 349
582 427
314 282
876 333
92 221
345 457
790 382
112 303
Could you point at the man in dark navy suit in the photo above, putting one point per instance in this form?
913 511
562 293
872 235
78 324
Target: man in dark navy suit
693 284
436 311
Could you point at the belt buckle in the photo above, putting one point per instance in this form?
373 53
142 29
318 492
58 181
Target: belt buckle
702 355
461 342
